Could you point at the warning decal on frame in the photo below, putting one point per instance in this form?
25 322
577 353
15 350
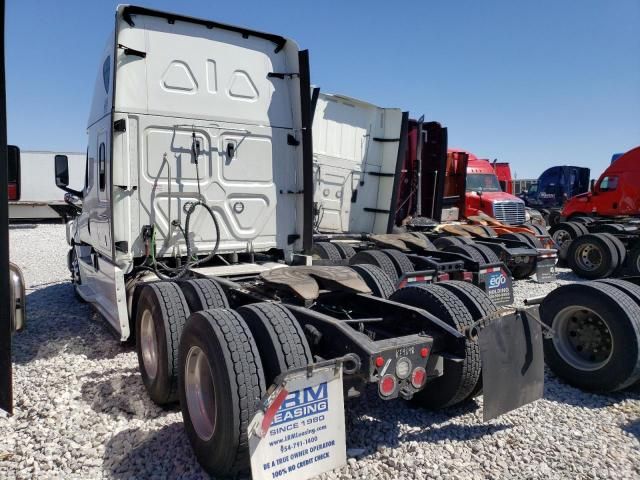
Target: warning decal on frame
301 432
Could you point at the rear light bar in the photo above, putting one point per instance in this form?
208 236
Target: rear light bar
13 191
443 276
467 276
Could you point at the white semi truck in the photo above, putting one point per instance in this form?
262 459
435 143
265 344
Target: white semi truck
193 239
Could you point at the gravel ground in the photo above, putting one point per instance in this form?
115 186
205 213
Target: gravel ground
82 412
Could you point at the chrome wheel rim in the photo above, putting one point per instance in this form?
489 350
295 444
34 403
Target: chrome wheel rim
200 393
589 257
583 338
149 345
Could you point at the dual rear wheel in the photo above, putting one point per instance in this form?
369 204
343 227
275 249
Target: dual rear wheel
596 340
211 362
192 346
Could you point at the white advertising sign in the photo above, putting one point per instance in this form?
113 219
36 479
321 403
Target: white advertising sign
301 432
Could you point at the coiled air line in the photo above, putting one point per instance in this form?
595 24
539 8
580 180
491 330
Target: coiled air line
163 271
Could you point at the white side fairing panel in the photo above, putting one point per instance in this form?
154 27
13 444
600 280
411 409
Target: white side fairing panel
212 83
355 146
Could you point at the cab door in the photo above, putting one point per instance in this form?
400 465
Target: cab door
100 214
607 196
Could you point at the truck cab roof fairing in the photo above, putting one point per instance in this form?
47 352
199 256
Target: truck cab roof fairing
127 12
167 75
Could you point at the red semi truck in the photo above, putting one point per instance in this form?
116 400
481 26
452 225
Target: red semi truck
503 172
484 192
617 191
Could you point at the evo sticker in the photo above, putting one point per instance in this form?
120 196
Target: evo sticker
300 433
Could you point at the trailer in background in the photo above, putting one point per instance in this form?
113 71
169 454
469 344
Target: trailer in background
33 194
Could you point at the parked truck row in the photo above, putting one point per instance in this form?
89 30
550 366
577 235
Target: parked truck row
194 235
249 234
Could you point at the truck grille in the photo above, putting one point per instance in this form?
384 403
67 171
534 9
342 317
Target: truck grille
511 213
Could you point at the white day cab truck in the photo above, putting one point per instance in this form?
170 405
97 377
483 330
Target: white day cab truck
193 237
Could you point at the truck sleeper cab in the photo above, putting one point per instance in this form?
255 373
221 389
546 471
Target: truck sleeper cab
196 215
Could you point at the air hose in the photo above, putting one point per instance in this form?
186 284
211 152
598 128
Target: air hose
165 272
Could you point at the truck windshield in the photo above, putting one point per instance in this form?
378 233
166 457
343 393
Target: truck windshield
482 181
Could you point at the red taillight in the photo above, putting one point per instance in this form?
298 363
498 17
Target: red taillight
379 362
424 352
418 377
443 276
387 385
13 191
467 276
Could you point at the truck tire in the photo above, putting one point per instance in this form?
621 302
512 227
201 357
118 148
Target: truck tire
490 232
443 242
625 287
376 279
613 228
538 229
74 269
468 251
221 382
346 251
326 251
521 272
619 246
553 218
479 305
528 238
592 256
279 337
460 378
581 219
634 260
596 345
203 294
532 239
466 240
422 236
377 258
160 317
400 261
563 231
488 254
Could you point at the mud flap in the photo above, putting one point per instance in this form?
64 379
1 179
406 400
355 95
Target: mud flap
545 270
299 431
498 284
512 362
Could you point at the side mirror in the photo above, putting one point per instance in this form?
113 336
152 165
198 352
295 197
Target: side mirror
62 171
62 175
